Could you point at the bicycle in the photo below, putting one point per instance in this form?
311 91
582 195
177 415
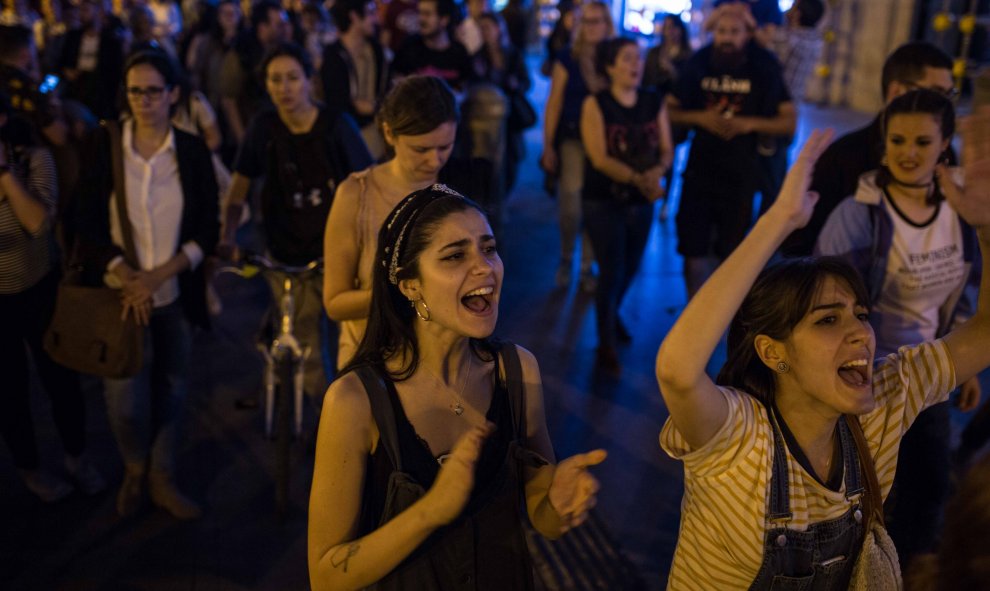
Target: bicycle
283 376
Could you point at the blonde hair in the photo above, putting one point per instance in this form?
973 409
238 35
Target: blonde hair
579 45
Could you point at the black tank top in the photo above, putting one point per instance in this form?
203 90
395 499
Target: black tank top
632 137
485 548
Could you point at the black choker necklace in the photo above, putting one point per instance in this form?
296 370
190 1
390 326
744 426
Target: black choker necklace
927 185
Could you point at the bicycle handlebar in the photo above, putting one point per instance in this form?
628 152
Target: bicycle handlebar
243 269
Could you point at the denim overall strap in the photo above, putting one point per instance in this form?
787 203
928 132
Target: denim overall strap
850 461
780 496
822 556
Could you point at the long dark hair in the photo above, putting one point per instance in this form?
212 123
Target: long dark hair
925 102
782 295
407 231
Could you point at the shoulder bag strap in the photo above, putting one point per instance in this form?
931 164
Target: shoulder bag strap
515 387
383 413
120 197
516 390
874 509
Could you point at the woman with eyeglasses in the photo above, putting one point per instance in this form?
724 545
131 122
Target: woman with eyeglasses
917 257
573 78
171 202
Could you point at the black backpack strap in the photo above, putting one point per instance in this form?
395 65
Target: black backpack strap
382 411
516 390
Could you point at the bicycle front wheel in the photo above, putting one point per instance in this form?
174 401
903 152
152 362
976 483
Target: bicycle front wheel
283 433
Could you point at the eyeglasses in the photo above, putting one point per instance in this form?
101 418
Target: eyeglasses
949 93
152 92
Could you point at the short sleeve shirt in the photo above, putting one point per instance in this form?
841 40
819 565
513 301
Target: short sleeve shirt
723 512
754 88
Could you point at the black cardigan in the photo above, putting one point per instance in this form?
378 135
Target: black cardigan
200 215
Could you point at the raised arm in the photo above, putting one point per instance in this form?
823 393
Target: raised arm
342 300
338 558
968 343
696 406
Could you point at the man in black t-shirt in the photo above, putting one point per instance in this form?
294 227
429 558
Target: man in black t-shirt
729 91
433 52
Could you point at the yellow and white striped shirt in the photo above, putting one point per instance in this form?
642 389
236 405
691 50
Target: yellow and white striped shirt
720 545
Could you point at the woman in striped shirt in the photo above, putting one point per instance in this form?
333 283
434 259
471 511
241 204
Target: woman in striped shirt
29 277
800 361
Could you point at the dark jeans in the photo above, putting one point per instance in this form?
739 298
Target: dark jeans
145 410
620 232
24 317
921 484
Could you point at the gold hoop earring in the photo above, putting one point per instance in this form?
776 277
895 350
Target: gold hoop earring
420 314
782 367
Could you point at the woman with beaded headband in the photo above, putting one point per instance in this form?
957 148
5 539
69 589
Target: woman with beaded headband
419 122
424 439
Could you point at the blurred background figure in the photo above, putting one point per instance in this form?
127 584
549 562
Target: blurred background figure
29 275
501 64
664 62
354 74
573 77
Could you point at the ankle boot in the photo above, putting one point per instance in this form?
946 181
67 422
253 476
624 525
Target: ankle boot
165 495
131 493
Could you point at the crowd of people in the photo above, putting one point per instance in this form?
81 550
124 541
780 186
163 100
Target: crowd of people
137 145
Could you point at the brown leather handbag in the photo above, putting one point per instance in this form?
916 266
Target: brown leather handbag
86 332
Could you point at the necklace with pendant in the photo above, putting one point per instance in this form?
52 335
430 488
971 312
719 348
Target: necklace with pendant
456 407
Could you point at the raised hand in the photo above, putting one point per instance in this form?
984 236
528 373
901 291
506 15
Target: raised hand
573 489
795 203
549 160
969 395
972 203
452 488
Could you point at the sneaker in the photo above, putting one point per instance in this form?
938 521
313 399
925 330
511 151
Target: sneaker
87 477
164 494
563 276
46 486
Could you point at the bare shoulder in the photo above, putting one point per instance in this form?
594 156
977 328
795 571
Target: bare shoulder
346 406
352 187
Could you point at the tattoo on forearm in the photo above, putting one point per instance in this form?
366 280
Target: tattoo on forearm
337 560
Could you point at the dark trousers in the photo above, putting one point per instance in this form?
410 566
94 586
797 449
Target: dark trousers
621 232
773 169
24 317
921 484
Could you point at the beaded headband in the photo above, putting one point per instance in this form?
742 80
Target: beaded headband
408 211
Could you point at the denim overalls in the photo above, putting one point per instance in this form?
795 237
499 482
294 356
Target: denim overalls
822 557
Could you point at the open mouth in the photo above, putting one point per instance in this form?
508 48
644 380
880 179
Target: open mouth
479 300
856 373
